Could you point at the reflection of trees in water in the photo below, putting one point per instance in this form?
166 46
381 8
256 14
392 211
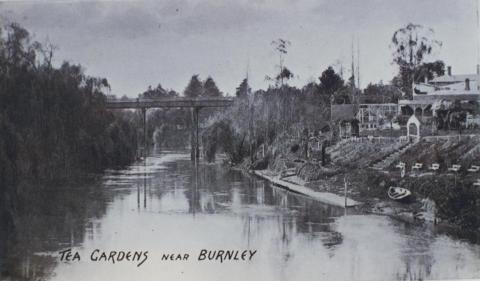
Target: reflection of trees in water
312 218
210 184
206 202
6 236
47 220
316 220
289 215
205 180
417 240
264 210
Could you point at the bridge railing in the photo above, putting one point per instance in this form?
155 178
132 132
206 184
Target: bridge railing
169 102
112 99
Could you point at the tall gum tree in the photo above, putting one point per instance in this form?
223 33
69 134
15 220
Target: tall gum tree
412 46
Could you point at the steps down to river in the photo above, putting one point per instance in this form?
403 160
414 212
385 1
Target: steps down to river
324 197
386 161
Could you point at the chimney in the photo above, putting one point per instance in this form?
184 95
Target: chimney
449 70
467 84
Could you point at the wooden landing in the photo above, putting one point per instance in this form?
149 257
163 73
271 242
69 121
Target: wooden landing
324 197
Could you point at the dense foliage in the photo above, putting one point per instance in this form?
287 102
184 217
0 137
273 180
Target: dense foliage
53 120
261 117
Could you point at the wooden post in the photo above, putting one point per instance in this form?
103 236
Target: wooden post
192 135
145 183
345 189
455 179
144 113
251 135
197 139
138 196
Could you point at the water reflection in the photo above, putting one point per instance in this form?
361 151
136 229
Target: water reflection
48 218
167 205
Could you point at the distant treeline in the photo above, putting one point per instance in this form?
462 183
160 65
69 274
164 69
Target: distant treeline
257 117
53 120
169 128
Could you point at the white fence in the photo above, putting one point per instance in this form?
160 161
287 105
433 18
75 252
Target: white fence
450 137
377 139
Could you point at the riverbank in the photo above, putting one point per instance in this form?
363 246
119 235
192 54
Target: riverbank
443 198
358 194
420 211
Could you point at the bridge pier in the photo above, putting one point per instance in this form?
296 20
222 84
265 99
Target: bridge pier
195 104
144 114
194 135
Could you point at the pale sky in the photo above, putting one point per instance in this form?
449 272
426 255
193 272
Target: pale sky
136 44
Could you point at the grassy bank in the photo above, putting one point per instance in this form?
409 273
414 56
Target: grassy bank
447 197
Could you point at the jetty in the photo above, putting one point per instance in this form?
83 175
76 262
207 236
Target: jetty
324 197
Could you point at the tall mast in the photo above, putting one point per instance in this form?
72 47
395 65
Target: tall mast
478 43
353 68
478 30
358 63
246 74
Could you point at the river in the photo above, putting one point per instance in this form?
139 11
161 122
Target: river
166 205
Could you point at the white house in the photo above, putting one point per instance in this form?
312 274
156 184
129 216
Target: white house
448 88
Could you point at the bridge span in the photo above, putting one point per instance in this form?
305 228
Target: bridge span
168 102
195 104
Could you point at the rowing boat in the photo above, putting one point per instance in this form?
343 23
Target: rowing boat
398 193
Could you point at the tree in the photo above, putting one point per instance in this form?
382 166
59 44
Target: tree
158 92
429 70
280 45
380 93
194 87
18 49
284 74
210 89
330 81
411 45
243 89
58 115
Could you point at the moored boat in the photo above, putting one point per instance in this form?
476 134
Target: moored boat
288 173
398 193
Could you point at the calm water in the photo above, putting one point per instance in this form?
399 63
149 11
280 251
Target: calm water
167 206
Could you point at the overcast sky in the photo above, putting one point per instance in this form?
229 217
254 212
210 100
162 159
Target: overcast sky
136 44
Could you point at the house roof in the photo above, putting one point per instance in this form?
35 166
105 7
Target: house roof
413 119
454 89
447 95
454 78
